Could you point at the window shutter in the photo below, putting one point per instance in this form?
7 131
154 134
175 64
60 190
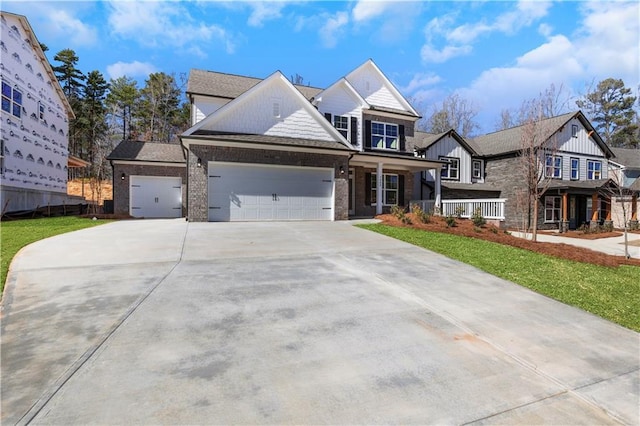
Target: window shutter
327 115
401 190
367 188
367 133
403 139
354 131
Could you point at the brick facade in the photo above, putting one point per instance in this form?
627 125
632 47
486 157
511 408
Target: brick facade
408 127
364 209
197 204
121 186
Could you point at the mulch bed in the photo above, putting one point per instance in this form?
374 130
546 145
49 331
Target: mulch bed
466 228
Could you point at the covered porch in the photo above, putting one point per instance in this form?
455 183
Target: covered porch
378 181
572 205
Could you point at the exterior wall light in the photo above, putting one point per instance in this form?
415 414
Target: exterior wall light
199 162
122 176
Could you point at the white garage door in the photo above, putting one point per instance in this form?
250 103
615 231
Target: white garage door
155 196
250 192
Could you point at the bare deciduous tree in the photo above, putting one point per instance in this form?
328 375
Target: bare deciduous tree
455 113
617 193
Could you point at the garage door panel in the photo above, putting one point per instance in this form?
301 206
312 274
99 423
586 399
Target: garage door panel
155 196
258 192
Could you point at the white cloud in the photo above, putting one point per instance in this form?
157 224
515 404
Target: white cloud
459 40
264 11
545 30
419 81
163 23
333 26
130 69
79 33
366 10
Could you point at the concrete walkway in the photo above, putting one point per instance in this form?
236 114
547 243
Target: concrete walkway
169 322
611 245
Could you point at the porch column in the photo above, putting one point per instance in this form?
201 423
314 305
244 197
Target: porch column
564 224
438 190
379 182
594 207
634 207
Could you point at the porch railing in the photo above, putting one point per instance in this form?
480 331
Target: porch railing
490 208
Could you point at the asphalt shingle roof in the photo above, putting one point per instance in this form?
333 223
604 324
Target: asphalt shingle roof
578 184
510 140
627 157
148 151
269 140
230 86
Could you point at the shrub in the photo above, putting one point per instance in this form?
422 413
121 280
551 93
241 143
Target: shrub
459 211
477 218
493 229
397 211
477 229
450 220
420 214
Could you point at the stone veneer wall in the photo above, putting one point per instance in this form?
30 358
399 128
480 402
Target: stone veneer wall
505 174
121 187
198 210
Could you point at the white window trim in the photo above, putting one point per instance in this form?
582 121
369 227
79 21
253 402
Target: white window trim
384 136
374 180
574 130
590 162
553 209
473 170
571 169
448 168
553 166
348 128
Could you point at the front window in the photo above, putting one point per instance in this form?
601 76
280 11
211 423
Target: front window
389 189
11 100
553 167
552 209
341 123
451 169
575 168
384 136
476 169
594 170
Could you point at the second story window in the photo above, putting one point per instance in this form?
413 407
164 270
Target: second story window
553 166
384 136
341 123
594 169
11 100
574 130
575 168
41 110
476 169
450 170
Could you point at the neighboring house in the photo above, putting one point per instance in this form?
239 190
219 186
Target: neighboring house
34 151
570 152
269 150
149 179
624 169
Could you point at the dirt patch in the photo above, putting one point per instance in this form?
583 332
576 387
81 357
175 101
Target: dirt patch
465 227
75 187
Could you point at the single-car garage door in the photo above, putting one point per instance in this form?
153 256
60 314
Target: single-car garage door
256 192
155 196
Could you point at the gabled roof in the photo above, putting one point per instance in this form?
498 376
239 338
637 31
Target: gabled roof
428 139
230 86
252 92
369 64
628 157
347 86
510 140
35 44
148 151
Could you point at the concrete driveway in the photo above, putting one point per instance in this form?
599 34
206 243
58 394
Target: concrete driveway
169 322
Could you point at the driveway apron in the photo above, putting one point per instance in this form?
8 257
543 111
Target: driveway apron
172 322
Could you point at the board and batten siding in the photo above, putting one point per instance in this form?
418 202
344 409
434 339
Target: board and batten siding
566 164
255 115
337 101
203 106
372 88
582 143
449 147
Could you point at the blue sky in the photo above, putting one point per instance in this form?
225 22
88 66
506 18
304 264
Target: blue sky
493 53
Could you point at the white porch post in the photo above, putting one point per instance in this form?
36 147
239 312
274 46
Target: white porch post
379 189
438 190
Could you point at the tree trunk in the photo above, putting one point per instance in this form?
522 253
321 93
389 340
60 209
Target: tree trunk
534 230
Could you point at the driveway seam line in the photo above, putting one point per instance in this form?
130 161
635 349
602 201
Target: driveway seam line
46 397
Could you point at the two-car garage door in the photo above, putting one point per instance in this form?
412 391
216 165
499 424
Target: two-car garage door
256 192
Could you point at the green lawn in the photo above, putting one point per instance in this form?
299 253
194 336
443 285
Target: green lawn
611 293
16 234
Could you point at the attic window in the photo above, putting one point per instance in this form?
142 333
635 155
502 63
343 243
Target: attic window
574 130
276 107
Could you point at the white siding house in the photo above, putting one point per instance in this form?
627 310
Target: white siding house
35 122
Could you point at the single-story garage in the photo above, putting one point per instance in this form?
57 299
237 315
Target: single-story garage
149 179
